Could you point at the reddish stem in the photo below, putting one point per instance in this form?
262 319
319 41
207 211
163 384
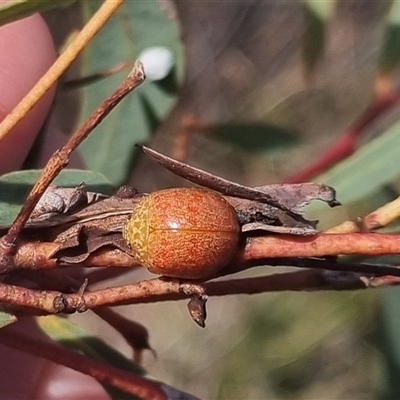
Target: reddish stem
321 245
347 143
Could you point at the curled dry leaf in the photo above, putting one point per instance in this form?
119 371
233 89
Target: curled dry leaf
275 208
261 216
86 222
57 203
297 196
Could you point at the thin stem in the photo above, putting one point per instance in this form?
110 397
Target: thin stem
346 144
320 245
379 218
160 289
60 65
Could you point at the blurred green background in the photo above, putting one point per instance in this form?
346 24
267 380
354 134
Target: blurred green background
267 87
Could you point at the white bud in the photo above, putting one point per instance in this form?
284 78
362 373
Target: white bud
157 62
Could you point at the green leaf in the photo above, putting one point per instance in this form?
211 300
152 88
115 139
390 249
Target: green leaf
316 14
373 166
390 55
78 339
15 186
136 26
6 318
361 181
17 9
254 137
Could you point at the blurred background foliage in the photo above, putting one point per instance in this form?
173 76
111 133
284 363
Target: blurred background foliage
256 90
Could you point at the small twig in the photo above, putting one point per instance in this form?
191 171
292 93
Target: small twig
320 245
61 64
379 218
49 302
60 159
217 183
54 302
305 280
346 143
159 289
381 281
327 264
93 78
135 334
128 382
258 251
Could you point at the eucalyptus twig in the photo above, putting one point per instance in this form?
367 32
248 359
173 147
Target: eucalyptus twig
289 281
347 142
379 218
320 245
93 78
214 182
308 279
139 290
381 281
316 276
54 302
48 302
327 264
61 64
128 382
258 251
60 159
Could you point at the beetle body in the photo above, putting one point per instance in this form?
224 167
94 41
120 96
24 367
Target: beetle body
185 233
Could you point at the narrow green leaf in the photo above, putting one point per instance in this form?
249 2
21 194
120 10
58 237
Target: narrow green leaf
361 180
136 26
254 137
17 9
374 165
15 186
